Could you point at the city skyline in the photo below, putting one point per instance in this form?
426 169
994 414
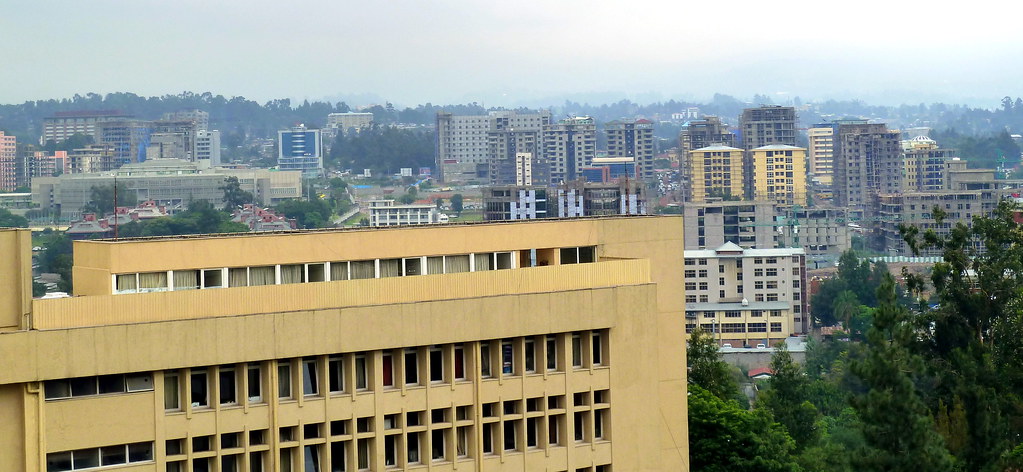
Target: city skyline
508 54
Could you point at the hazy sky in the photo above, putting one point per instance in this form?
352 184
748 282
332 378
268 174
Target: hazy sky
510 52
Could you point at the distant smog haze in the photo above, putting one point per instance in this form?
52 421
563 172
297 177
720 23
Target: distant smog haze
509 53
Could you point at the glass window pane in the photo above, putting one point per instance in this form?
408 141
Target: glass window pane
112 455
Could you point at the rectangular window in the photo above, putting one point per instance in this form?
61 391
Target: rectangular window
390 268
577 351
412 448
338 271
266 275
485 370
596 354
507 358
228 390
292 274
171 391
462 441
387 359
338 456
286 460
255 383
436 364
316 272
554 430
200 389
509 435
411 367
336 374
551 352
530 353
284 380
488 438
391 450
532 433
580 426
437 447
459 362
361 380
312 458
310 379
186 280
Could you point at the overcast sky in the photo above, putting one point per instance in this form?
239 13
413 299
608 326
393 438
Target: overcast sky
511 52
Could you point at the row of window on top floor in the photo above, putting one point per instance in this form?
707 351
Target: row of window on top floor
345 373
193 279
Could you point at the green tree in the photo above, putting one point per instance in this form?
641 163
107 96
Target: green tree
234 196
10 220
706 368
724 437
456 203
56 258
308 214
102 198
845 306
439 202
787 398
897 426
407 199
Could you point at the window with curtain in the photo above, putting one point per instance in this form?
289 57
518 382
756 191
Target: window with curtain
264 275
152 281
484 261
435 265
186 280
127 283
238 277
363 270
338 271
291 274
390 268
455 264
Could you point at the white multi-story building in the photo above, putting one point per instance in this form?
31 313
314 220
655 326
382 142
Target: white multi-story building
746 296
386 213
570 145
346 121
207 148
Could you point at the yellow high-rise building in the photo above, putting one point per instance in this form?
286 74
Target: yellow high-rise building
780 174
541 345
716 171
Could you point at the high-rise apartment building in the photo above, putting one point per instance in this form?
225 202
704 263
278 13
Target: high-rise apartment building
745 297
717 172
64 124
780 174
698 134
711 224
821 152
512 137
868 162
632 139
8 162
925 165
462 147
544 345
569 145
300 149
764 126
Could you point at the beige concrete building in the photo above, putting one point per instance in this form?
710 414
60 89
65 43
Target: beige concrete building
350 120
780 174
821 153
716 171
166 181
925 165
746 297
545 345
569 145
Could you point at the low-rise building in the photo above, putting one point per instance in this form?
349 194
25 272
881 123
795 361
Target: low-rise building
387 213
746 297
512 202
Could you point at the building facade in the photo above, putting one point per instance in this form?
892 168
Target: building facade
167 182
129 139
569 145
207 148
746 297
925 165
8 162
513 138
462 147
716 172
300 149
387 213
780 174
632 139
512 346
514 202
64 124
351 120
868 162
200 119
821 153
711 224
